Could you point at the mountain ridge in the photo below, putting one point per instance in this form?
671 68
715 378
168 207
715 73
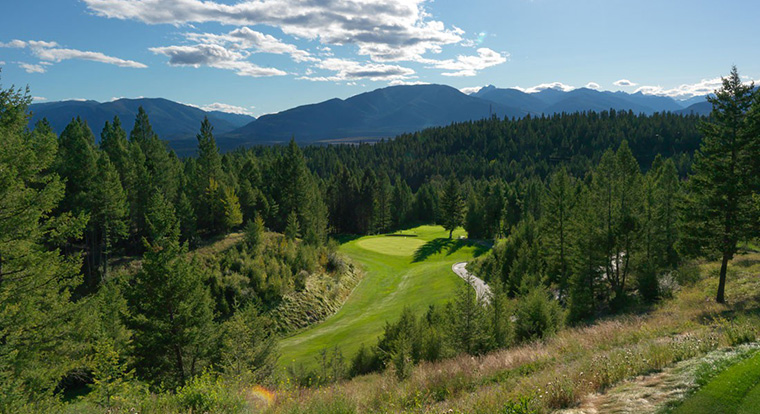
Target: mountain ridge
368 116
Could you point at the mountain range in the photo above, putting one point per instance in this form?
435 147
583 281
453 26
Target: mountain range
172 121
382 113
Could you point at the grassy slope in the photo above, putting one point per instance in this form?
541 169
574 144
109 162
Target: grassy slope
400 271
560 372
726 393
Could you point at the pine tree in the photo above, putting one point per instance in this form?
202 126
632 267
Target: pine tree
113 141
109 215
587 256
254 233
76 164
248 346
719 207
668 195
559 201
452 207
381 216
401 205
38 321
187 220
233 217
467 319
171 308
293 228
208 169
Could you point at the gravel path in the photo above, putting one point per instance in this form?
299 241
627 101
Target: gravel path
482 291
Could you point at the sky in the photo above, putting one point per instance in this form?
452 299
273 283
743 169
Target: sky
265 56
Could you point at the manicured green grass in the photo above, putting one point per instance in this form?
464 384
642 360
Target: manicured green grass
391 245
736 390
400 271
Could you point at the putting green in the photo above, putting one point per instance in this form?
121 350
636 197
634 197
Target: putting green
399 272
392 245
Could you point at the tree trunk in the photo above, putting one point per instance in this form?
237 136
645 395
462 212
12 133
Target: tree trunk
720 298
451 234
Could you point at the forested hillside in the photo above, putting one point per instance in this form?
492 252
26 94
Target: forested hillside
105 289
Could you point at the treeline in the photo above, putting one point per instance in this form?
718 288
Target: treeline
511 149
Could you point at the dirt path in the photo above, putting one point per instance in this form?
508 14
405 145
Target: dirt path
482 291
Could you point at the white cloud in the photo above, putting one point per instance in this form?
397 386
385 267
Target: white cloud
385 30
553 85
18 44
468 65
215 56
624 82
2 62
39 99
687 90
31 68
404 82
593 85
348 70
470 89
244 39
49 52
222 107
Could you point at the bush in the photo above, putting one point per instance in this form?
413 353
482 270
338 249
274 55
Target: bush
537 315
364 362
336 263
647 283
207 393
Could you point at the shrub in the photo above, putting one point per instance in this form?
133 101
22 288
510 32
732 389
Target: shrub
647 283
537 315
207 393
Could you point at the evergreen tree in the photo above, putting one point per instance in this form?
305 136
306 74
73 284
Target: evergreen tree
171 308
293 229
208 170
667 196
469 330
719 207
587 257
233 217
401 206
248 346
110 213
254 233
381 216
187 220
452 207
113 141
559 201
38 321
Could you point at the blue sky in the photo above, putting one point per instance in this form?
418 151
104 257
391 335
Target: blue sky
265 56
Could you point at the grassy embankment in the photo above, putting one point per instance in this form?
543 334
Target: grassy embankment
410 268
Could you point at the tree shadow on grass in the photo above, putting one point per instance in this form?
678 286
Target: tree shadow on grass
345 238
451 246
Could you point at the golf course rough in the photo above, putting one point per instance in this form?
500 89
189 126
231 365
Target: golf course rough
411 269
